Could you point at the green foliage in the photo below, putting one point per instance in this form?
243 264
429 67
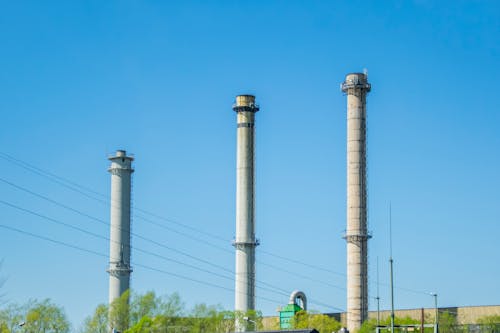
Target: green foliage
4 328
321 322
489 320
39 317
490 323
272 324
369 325
143 306
251 318
119 312
448 323
45 317
150 305
98 322
171 305
144 325
148 313
11 316
204 318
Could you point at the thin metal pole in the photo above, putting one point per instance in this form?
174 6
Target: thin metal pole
422 321
437 312
392 297
391 264
378 298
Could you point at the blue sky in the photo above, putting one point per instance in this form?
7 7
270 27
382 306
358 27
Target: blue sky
81 79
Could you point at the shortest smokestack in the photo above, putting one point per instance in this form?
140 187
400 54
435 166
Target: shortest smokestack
119 247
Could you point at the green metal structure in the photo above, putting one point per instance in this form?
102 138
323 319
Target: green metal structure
286 315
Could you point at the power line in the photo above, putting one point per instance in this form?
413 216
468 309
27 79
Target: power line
53 240
136 264
83 190
62 181
302 263
86 190
414 291
79 212
95 219
139 250
107 239
52 177
76 187
275 288
302 276
57 203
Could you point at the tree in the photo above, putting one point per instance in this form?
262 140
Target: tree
204 318
170 315
369 325
321 322
45 317
98 323
119 312
490 323
147 313
144 325
448 323
227 322
11 316
252 318
39 317
144 305
171 305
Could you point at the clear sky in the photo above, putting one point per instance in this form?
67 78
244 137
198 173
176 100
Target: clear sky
80 79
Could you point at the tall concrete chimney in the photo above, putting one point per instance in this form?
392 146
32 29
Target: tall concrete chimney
356 87
245 241
119 247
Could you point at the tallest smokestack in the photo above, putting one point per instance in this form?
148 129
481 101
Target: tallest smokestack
245 241
356 87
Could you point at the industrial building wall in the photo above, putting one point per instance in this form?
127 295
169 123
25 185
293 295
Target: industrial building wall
465 314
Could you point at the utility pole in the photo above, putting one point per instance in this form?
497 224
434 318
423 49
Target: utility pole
422 321
391 264
378 298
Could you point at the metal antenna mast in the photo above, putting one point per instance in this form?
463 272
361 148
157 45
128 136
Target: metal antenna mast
391 264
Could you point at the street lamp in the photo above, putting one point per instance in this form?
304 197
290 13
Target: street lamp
436 316
251 321
19 326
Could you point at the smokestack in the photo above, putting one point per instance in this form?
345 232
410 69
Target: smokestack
356 87
245 241
119 246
